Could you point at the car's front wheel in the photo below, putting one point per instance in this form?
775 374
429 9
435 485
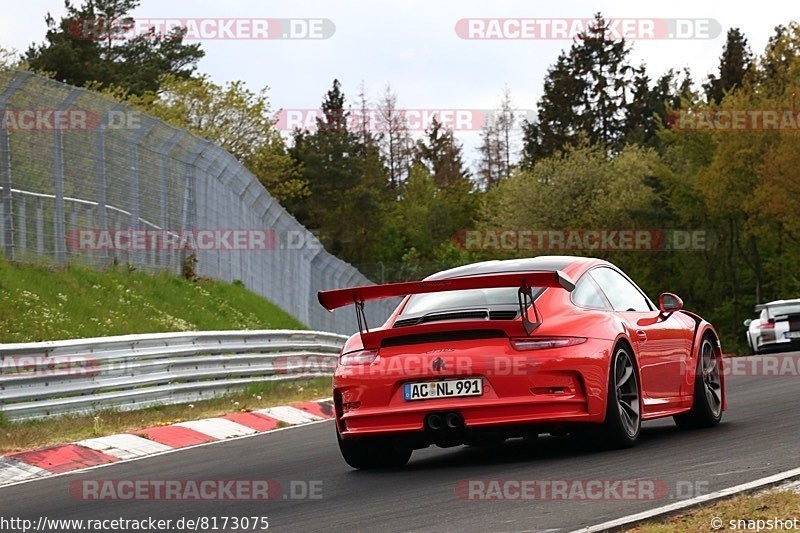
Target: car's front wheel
372 452
707 404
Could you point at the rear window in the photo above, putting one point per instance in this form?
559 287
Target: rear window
422 304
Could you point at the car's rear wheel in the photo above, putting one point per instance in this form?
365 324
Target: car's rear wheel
623 421
372 452
707 405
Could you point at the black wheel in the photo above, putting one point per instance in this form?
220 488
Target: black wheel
364 453
707 405
623 421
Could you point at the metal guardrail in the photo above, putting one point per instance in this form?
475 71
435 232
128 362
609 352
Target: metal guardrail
43 379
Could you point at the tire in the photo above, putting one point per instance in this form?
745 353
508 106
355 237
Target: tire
623 422
707 404
364 453
750 349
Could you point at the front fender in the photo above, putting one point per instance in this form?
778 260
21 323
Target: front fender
703 328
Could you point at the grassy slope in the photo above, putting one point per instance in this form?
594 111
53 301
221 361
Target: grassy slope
41 303
764 506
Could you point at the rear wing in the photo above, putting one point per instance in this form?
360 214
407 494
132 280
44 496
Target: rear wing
525 281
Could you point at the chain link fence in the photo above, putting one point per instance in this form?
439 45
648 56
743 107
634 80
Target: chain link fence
86 180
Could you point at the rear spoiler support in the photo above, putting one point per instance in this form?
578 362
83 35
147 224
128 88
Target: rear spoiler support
361 316
525 299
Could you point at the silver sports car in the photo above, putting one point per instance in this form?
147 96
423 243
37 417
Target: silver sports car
777 327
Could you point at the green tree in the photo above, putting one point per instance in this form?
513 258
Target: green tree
585 92
557 119
602 63
346 179
233 117
429 217
79 49
394 139
581 188
733 67
778 63
651 105
442 155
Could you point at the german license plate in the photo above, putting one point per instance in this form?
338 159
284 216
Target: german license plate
793 334
451 388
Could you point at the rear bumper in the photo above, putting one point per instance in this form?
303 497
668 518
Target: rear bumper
780 345
475 416
546 388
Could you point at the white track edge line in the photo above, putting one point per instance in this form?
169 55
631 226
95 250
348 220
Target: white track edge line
691 502
165 452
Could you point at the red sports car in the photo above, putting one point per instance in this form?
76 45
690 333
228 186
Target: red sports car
517 348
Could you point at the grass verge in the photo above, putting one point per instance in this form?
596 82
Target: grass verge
40 303
741 513
31 434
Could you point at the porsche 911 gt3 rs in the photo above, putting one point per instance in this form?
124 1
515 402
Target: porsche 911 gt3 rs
518 348
777 327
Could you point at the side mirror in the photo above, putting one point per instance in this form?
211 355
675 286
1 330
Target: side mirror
748 322
669 303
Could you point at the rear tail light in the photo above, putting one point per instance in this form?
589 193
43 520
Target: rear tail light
360 357
767 325
544 343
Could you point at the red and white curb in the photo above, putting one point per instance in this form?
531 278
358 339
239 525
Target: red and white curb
34 464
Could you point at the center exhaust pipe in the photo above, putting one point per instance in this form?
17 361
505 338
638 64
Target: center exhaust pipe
444 421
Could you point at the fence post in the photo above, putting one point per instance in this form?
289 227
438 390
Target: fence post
100 166
58 180
22 227
39 227
5 163
163 196
133 151
189 209
227 215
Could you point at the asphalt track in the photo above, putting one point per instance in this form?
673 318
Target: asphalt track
758 437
